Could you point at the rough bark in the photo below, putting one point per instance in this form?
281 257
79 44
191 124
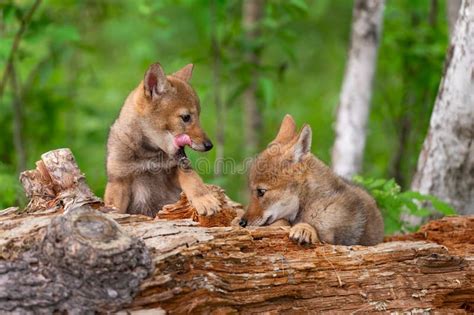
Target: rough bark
84 260
356 91
446 163
252 11
452 10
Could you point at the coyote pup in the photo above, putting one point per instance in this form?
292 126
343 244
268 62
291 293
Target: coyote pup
288 182
146 143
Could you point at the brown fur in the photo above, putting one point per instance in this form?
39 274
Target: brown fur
142 161
300 188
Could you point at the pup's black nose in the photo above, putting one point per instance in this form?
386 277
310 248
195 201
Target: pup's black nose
208 145
243 222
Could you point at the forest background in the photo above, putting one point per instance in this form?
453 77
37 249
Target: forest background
76 62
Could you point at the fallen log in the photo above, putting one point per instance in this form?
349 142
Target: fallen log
64 255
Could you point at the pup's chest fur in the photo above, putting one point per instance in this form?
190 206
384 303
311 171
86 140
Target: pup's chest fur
150 173
152 185
150 191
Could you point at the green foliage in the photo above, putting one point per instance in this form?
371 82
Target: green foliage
393 202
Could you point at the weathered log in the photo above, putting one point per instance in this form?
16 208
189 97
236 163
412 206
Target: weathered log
84 260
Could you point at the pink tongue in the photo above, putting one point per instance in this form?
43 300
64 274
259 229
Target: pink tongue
182 140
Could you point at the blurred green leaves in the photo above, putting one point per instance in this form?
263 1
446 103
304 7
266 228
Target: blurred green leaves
393 202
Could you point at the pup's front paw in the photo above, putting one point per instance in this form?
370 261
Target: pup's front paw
206 204
303 233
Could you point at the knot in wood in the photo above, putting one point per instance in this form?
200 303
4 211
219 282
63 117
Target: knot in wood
89 252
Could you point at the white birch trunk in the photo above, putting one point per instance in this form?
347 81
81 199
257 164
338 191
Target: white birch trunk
357 87
446 163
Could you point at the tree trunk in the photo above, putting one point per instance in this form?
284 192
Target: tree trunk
216 76
433 14
452 10
16 44
17 105
85 260
252 11
446 163
356 91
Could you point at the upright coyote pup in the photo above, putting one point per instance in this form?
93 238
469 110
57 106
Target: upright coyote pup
147 141
288 182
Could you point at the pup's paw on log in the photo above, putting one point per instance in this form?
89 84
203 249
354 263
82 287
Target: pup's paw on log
206 204
303 233
227 212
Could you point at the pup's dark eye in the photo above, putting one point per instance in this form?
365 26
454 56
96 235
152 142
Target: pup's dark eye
261 192
186 118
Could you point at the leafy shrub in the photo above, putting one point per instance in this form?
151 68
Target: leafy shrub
393 203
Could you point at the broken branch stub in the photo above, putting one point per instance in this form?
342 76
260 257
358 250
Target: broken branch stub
57 178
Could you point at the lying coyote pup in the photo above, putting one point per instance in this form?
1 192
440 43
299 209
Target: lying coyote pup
288 182
146 144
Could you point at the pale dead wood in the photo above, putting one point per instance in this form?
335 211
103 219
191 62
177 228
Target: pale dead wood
57 178
224 269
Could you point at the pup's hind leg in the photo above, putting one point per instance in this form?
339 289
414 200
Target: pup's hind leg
340 225
117 194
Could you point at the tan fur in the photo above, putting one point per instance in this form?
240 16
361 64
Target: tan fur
142 162
319 205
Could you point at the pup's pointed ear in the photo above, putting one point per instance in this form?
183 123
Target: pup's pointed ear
185 73
287 130
303 143
155 82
